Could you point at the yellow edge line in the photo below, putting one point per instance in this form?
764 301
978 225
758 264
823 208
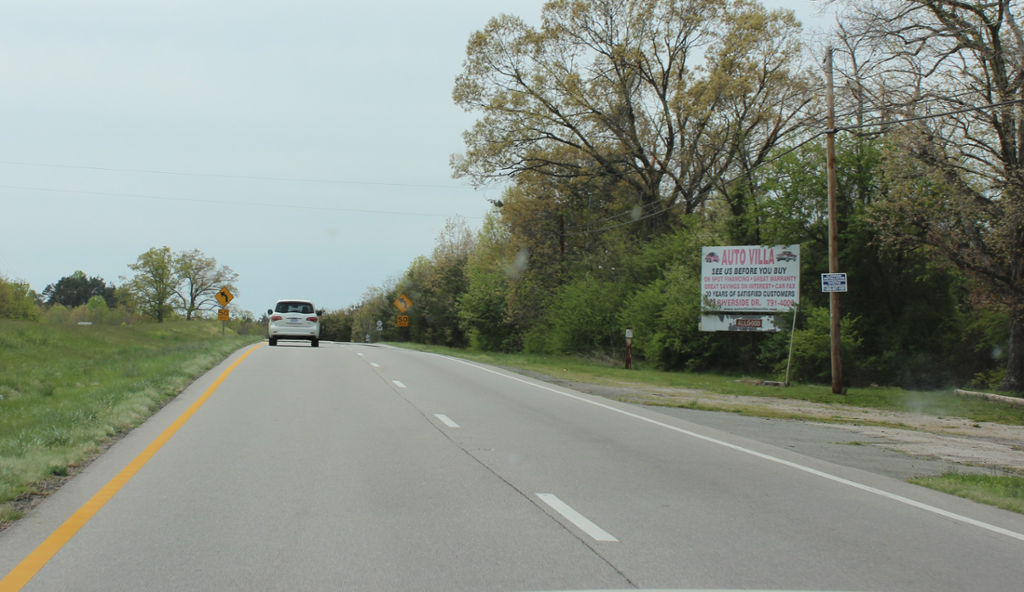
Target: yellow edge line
30 566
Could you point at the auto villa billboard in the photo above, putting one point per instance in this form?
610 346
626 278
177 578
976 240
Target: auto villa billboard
742 287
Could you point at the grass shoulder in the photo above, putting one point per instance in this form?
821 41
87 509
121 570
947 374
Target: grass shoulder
939 403
1003 491
67 391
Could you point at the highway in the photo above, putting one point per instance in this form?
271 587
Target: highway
364 467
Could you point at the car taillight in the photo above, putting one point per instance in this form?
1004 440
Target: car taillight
312 319
276 318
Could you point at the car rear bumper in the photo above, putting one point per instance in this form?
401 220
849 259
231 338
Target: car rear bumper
294 332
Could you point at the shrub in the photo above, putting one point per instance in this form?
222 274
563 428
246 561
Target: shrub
812 347
17 301
583 316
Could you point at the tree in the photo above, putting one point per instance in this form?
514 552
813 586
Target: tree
17 300
77 289
155 283
954 179
199 281
665 97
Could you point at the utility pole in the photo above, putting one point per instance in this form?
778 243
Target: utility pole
833 225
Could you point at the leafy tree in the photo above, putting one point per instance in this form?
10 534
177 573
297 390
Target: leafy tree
483 307
77 289
665 97
955 182
154 286
199 281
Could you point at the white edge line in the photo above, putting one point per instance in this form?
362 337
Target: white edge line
581 521
398 383
799 467
446 420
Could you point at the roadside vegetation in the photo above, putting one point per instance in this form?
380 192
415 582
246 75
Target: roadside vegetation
1006 492
84 361
621 160
67 390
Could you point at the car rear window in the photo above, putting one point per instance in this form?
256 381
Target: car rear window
299 307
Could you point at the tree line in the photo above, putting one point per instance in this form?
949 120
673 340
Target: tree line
631 133
164 285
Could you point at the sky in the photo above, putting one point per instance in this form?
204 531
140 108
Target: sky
304 144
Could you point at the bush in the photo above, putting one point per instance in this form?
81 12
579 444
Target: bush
812 348
95 312
336 325
583 317
17 301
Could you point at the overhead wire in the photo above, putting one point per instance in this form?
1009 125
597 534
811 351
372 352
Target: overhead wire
798 146
230 203
226 176
677 204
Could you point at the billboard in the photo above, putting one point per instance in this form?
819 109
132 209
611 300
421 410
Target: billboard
740 281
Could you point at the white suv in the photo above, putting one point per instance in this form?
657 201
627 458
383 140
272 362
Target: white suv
295 320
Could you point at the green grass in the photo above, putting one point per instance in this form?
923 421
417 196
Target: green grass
66 390
940 403
1006 492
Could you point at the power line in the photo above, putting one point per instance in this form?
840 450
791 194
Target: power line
224 176
7 265
801 144
677 204
846 128
229 203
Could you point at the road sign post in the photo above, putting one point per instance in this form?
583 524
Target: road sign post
403 303
629 348
223 315
224 296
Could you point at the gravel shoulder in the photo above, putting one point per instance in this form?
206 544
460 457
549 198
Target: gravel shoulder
892 443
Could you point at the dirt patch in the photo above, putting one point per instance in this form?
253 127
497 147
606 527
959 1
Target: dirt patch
958 440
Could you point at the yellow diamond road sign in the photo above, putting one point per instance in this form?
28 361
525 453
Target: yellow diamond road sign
224 296
223 315
403 303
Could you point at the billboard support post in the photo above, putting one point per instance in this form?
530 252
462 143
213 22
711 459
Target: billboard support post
792 334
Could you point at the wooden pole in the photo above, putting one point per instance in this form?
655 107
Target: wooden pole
833 230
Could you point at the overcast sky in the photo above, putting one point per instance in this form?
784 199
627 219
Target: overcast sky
347 106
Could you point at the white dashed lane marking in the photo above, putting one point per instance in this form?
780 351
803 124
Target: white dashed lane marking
446 420
398 383
581 521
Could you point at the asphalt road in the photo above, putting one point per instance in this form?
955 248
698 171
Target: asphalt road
351 467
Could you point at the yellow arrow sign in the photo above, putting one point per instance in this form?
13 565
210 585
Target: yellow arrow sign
403 303
224 296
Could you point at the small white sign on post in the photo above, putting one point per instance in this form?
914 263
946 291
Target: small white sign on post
629 336
833 282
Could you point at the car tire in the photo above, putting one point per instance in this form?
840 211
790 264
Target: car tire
273 342
315 343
